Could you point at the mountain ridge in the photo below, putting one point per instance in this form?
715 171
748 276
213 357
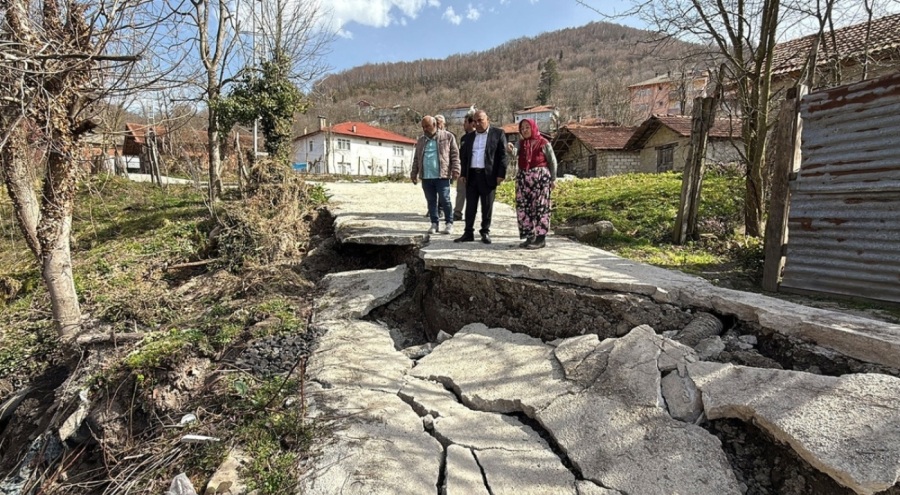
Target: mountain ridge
595 62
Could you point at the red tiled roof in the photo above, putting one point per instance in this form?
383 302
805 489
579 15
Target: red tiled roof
850 42
139 131
722 128
590 122
681 125
363 130
603 137
539 108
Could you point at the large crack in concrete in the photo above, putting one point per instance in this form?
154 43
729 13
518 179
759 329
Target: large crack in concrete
442 292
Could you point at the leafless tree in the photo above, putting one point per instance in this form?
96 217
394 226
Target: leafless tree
58 60
743 34
226 33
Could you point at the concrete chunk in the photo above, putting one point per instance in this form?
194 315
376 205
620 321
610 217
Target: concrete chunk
358 354
847 427
536 472
462 473
493 369
352 295
378 447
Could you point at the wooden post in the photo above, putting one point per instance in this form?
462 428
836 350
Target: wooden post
786 143
702 119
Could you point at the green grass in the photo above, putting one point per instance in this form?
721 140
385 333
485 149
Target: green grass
643 207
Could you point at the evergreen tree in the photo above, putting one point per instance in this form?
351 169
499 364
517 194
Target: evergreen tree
548 82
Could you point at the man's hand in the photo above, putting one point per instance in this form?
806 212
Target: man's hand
415 180
454 175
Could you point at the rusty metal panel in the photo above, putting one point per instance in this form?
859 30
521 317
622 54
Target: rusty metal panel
844 222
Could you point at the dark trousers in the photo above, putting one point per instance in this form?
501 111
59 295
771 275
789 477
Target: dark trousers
479 190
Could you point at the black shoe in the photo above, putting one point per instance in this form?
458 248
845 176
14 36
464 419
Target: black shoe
486 238
528 241
465 238
538 243
457 216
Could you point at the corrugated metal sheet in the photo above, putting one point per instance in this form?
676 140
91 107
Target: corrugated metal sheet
844 222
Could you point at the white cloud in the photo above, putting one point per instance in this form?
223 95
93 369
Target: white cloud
375 13
472 13
452 16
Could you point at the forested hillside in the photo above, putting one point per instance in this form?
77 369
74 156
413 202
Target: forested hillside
595 64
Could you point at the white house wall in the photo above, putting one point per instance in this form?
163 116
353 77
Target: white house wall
545 120
366 157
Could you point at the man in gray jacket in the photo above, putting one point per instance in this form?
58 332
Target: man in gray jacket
436 162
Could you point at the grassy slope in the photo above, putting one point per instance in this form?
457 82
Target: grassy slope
642 208
127 237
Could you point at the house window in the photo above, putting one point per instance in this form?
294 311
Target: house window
398 150
665 158
310 145
343 144
592 166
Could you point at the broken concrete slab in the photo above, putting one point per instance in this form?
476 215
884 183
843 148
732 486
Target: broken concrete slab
462 475
847 427
681 396
493 369
637 449
352 295
377 446
395 219
534 472
618 435
582 358
456 424
591 488
358 354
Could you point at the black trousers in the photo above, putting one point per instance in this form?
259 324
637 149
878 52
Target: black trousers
479 190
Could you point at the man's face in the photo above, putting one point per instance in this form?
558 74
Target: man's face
428 126
481 122
469 124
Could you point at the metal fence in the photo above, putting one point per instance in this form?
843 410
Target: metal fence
844 221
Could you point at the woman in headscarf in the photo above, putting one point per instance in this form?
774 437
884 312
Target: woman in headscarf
534 181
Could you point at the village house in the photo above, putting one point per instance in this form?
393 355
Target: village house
181 145
595 150
663 143
668 94
456 114
546 117
844 56
353 148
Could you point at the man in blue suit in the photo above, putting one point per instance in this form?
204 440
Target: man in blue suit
483 160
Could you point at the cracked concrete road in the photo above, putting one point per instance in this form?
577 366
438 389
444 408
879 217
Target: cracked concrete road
491 411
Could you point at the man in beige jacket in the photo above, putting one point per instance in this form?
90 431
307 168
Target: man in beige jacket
436 162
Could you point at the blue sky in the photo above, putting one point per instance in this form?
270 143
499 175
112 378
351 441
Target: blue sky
404 30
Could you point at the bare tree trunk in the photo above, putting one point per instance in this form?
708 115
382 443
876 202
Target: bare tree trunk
21 188
240 163
215 160
54 233
704 116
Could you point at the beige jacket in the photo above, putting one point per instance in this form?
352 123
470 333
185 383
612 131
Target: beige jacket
448 155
